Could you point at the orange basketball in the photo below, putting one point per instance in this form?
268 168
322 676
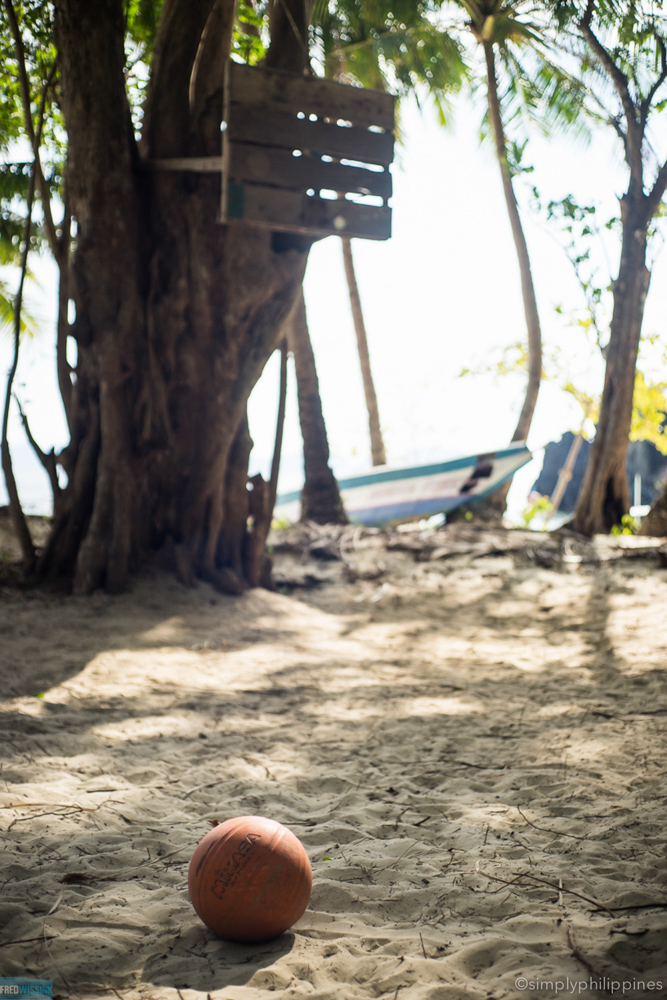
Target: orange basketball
250 879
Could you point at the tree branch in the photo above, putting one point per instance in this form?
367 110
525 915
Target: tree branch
101 175
635 132
34 136
656 193
62 364
618 129
48 461
588 13
36 176
207 79
280 426
289 36
95 104
18 518
167 107
645 107
474 10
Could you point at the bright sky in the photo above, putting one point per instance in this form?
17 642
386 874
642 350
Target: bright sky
441 295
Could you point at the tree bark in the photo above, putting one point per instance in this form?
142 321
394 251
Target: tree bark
497 502
527 285
320 497
176 315
493 507
604 496
655 522
378 454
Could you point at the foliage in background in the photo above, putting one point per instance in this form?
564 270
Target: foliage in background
619 50
389 45
29 324
141 20
649 414
412 46
250 39
35 19
583 240
628 526
538 508
539 96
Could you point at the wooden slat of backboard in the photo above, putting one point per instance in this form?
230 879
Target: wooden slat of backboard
253 203
275 128
292 211
279 168
347 218
312 95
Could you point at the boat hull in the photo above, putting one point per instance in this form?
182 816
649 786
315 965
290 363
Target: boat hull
388 496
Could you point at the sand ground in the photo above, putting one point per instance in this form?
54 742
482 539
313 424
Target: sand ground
465 729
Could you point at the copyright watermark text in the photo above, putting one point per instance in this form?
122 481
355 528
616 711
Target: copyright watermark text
26 989
579 987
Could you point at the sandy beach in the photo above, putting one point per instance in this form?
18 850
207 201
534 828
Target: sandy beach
465 729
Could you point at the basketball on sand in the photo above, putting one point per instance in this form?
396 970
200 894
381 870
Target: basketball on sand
250 879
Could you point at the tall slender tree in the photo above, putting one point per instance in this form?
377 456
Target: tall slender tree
382 44
378 453
425 47
621 48
494 23
515 48
320 498
523 79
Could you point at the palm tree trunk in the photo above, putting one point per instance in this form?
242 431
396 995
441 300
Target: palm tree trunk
498 500
320 499
527 286
377 443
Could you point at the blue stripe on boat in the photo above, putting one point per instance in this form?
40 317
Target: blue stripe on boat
412 472
375 517
377 504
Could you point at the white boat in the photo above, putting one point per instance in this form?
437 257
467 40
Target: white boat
387 495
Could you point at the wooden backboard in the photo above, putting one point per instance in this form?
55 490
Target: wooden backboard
288 139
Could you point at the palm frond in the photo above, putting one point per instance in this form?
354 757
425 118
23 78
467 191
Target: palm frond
29 325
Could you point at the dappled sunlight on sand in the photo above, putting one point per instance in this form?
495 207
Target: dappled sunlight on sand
473 756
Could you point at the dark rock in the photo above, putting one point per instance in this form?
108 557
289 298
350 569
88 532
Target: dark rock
643 458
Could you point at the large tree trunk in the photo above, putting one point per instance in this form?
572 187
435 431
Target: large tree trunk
378 454
176 314
320 497
604 496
